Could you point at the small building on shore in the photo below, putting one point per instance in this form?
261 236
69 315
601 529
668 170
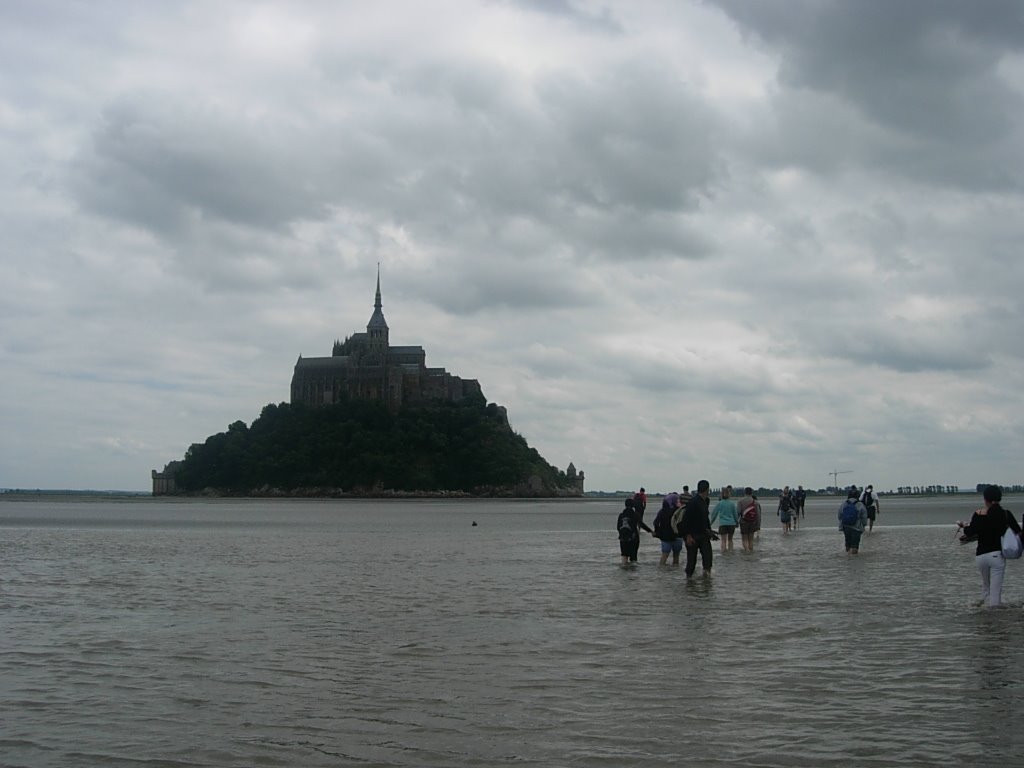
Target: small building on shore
163 482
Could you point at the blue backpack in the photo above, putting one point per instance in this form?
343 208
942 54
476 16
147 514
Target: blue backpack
850 514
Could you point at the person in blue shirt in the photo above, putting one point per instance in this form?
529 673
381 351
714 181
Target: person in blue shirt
727 515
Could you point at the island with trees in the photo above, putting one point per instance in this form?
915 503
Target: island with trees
358 447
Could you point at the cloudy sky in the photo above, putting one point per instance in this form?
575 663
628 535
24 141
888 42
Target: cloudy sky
752 242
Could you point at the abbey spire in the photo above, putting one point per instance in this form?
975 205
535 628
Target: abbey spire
377 328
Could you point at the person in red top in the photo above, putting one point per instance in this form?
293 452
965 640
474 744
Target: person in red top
640 501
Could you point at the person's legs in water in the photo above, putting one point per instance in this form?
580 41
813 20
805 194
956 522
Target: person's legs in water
666 547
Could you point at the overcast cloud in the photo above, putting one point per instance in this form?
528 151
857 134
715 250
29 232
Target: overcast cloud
752 242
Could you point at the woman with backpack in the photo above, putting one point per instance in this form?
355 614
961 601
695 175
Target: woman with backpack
628 525
853 517
750 518
987 527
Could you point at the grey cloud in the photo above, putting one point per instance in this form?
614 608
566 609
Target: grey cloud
449 152
926 71
603 21
160 163
487 283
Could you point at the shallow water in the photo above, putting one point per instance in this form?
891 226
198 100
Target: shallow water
327 633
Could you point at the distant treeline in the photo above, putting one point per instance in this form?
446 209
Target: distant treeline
1006 488
361 447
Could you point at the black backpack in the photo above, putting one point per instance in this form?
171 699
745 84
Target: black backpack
627 528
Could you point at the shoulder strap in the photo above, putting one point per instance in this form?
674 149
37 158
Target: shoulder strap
1011 521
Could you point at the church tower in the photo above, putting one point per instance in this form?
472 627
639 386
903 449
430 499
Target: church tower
377 328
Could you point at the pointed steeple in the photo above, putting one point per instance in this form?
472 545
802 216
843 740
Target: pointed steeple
377 328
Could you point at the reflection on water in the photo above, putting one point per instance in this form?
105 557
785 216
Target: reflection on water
397 634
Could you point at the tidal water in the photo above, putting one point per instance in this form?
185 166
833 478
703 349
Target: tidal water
150 632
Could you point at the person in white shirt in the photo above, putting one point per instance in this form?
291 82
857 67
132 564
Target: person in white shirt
870 502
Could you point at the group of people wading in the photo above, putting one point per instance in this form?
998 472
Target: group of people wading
687 520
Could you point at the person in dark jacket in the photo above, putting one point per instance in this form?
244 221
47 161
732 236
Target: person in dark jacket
987 527
695 529
663 529
628 524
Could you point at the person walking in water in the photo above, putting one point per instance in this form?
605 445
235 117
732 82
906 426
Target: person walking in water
628 524
695 528
785 510
987 527
663 529
800 498
727 515
870 502
640 502
749 517
852 519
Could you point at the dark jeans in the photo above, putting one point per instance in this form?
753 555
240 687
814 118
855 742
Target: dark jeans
852 536
703 544
630 548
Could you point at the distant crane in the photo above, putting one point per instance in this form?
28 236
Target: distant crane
835 473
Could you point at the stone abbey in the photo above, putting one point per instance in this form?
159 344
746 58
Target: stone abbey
367 367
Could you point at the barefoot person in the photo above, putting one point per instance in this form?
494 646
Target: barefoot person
727 515
800 497
987 527
785 510
628 526
870 502
852 519
695 528
664 530
750 516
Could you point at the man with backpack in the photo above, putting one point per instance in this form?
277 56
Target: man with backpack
870 502
853 516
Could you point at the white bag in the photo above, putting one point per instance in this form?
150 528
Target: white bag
1011 544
